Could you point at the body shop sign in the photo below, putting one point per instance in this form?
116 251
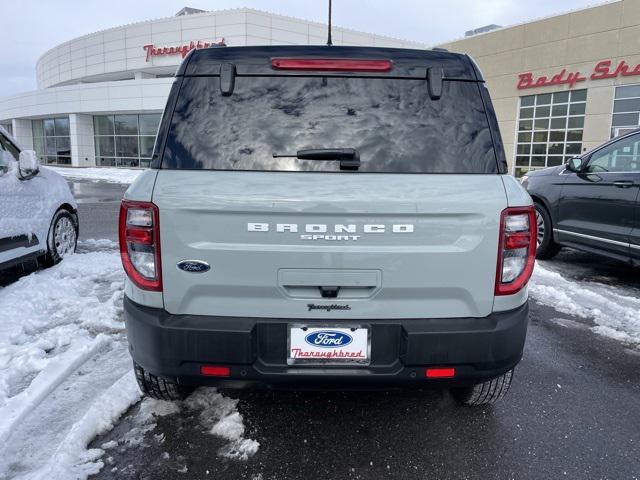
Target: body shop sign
182 50
602 70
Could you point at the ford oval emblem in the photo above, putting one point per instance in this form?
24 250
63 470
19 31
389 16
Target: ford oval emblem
193 266
328 339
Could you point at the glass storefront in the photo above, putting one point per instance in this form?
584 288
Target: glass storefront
125 140
8 127
550 127
626 110
51 140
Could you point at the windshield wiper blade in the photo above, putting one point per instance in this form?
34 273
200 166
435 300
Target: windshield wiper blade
348 157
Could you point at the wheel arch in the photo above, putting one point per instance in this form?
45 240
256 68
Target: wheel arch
541 201
73 211
545 203
68 207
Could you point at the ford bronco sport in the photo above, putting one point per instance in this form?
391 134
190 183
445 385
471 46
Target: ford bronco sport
323 216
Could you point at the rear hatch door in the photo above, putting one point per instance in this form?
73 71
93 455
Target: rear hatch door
411 233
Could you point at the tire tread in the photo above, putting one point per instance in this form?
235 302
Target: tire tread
485 393
161 388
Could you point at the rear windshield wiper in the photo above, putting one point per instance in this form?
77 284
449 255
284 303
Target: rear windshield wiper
348 157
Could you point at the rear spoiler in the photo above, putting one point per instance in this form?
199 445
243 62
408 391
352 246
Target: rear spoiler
259 61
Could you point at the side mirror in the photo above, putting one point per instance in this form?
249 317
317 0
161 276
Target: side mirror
28 164
574 164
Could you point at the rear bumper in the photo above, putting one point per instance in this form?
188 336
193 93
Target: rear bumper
255 349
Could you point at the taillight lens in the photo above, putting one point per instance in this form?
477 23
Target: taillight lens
139 232
332 64
516 249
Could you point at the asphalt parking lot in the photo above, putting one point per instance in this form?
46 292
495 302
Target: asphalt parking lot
98 207
573 410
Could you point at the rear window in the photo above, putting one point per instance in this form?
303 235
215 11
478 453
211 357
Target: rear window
393 124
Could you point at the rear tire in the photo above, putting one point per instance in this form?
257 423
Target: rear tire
62 239
485 393
546 247
161 388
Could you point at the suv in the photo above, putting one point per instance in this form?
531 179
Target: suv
592 203
327 216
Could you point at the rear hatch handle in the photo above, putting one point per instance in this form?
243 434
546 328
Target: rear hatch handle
349 158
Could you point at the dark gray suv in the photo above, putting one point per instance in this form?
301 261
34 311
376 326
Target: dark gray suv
592 202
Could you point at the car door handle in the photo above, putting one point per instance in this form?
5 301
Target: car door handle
623 183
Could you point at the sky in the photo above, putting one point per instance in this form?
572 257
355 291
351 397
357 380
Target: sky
31 27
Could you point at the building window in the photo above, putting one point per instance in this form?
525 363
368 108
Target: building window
51 140
626 110
125 140
550 129
8 127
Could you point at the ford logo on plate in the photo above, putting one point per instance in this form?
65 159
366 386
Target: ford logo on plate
328 339
193 266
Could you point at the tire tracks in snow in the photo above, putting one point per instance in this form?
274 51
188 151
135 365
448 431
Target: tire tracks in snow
62 348
56 420
56 372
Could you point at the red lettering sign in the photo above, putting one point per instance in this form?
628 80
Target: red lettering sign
601 71
153 51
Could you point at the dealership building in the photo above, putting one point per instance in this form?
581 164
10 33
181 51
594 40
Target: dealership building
560 85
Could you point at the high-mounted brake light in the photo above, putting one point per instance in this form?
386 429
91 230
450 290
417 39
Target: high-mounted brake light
139 233
516 249
332 64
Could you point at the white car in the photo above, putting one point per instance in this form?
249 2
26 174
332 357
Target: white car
38 214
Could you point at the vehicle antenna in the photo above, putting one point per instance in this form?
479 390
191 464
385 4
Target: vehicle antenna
329 32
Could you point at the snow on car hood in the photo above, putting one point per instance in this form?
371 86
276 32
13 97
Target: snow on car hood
37 200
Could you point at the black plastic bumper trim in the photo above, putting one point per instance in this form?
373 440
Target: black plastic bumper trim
255 348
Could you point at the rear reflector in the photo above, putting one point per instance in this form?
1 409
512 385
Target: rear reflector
440 372
332 64
140 235
215 371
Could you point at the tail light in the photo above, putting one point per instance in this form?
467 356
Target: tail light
516 249
332 64
139 232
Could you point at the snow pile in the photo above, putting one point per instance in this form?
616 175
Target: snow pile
221 416
71 458
614 310
99 174
66 376
65 373
93 245
51 311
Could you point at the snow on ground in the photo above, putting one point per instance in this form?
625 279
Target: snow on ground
615 310
65 372
221 416
99 174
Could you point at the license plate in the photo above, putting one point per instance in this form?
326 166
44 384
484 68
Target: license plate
329 345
